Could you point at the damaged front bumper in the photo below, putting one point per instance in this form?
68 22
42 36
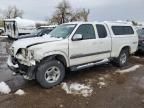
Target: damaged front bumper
15 66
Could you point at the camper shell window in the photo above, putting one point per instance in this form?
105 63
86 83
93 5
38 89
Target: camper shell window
122 30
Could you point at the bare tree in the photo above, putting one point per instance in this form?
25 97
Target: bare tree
64 14
80 15
63 11
84 14
75 16
12 12
55 19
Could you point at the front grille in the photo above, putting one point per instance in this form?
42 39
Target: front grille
21 66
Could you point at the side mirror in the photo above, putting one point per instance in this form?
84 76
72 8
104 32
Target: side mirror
77 37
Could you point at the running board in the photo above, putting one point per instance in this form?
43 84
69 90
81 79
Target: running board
79 67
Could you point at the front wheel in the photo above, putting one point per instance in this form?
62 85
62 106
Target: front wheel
50 73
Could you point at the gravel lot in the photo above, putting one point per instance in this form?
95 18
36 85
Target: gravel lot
118 91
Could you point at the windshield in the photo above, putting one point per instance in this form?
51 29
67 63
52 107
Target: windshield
62 31
140 32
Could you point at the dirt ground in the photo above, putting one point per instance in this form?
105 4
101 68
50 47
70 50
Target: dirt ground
121 90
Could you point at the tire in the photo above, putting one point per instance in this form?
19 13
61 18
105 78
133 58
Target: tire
122 60
47 71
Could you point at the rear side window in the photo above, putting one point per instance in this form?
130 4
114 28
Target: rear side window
122 30
102 33
87 31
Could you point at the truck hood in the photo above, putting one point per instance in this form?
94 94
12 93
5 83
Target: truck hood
24 43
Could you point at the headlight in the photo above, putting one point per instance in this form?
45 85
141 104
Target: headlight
24 52
31 54
27 53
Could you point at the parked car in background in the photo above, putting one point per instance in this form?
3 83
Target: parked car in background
50 27
72 46
39 32
141 39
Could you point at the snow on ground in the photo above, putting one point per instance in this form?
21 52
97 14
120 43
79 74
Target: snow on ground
101 82
14 73
4 88
101 78
20 92
131 69
77 89
137 57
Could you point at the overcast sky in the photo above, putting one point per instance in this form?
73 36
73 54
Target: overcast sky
100 10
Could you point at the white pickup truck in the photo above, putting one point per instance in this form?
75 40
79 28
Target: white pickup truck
70 46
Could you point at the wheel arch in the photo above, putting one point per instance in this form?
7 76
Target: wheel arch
60 56
127 47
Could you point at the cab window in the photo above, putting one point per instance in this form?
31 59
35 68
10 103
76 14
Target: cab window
102 33
87 31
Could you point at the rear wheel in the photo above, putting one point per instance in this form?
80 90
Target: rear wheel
50 73
122 60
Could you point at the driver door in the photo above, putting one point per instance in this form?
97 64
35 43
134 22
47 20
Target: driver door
82 51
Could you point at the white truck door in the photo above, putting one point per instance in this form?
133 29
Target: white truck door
85 50
103 41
